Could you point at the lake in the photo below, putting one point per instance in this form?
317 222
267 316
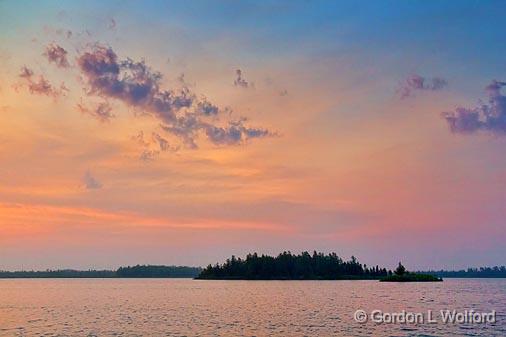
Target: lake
184 307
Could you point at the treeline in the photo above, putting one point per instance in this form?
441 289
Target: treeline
158 271
287 266
64 273
144 271
483 272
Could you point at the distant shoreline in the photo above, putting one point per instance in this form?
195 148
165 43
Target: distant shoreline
138 271
194 272
283 267
326 266
199 279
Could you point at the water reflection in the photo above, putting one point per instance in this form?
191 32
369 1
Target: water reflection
162 307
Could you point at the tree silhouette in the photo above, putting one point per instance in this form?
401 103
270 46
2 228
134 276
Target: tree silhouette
400 270
287 266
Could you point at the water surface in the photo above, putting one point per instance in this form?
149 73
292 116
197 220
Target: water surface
183 307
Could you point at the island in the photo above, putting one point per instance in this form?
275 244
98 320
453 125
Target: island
287 266
402 275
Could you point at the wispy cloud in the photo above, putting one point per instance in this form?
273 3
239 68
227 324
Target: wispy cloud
153 146
112 24
180 112
139 139
57 55
489 117
234 133
206 108
148 155
416 82
90 182
134 83
102 111
40 85
162 143
240 81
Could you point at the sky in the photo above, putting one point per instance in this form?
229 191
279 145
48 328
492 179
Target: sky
170 132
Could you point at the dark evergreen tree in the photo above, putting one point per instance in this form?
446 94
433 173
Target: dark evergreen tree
287 266
400 270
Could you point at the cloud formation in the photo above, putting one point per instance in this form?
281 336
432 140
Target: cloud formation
139 139
489 117
180 112
416 82
134 83
206 108
148 155
57 55
162 143
40 85
234 133
90 182
240 81
102 111
112 24
152 147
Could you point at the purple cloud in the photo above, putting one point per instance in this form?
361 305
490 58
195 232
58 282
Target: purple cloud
102 111
240 81
57 55
180 112
162 143
40 85
26 73
112 24
489 117
206 108
416 82
234 133
90 182
134 83
139 139
151 148
148 155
